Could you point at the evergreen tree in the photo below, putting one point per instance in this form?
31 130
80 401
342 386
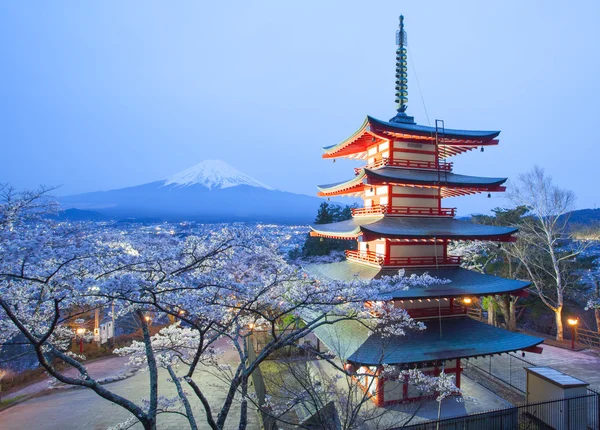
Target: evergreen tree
328 213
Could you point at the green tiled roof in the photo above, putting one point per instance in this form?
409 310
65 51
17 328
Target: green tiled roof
411 176
462 281
413 227
459 337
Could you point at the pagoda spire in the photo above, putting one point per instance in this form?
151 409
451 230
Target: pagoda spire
401 75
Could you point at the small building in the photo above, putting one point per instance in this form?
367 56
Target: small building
403 224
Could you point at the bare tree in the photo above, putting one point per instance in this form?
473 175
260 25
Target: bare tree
541 246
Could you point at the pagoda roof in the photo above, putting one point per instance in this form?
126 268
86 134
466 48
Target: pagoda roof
374 131
443 339
463 282
412 228
395 175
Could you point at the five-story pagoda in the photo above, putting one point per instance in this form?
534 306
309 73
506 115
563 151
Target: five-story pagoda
403 225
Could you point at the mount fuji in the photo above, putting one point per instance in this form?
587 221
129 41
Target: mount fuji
211 191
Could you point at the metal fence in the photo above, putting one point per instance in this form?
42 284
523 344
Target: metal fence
575 413
508 368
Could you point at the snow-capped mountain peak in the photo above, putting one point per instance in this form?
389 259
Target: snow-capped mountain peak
213 174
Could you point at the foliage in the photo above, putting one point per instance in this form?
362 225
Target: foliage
221 286
317 246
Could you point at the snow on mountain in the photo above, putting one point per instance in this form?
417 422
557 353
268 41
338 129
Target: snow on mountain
213 174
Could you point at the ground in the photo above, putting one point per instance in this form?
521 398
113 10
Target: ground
76 408
82 408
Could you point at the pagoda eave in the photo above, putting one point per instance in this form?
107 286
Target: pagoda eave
374 131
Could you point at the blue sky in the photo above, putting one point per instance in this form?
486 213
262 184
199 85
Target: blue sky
103 95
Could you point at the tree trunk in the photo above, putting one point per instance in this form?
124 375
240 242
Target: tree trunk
491 312
184 399
244 408
597 311
152 371
512 312
559 323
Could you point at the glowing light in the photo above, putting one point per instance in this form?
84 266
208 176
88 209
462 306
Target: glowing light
573 321
80 331
467 300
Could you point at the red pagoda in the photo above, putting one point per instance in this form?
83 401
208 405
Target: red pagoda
403 225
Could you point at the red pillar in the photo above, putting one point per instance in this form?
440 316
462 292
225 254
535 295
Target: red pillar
379 398
458 372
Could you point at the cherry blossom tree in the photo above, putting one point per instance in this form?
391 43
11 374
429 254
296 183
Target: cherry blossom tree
220 285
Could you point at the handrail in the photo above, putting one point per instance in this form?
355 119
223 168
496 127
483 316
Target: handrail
409 164
423 261
404 210
374 258
365 256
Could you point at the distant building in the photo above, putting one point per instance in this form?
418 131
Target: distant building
404 225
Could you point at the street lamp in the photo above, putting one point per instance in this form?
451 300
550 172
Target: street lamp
573 323
80 332
467 301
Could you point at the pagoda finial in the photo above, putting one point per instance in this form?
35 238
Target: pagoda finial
401 75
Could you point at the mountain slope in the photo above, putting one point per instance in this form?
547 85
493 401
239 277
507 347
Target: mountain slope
211 191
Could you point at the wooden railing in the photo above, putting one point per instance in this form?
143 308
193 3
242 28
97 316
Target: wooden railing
435 311
365 257
423 261
588 337
404 210
380 260
409 164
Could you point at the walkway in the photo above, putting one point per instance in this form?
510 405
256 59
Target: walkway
83 409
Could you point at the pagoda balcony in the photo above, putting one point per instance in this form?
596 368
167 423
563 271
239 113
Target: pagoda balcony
436 312
404 210
373 258
408 164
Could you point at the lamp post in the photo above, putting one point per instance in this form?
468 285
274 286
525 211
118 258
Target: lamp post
80 333
573 323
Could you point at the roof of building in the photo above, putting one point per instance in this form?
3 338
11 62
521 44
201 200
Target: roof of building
556 377
462 281
443 339
396 175
412 228
373 127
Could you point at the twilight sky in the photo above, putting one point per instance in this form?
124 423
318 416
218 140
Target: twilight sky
96 96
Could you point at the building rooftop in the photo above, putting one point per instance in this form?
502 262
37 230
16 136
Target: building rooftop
374 131
443 339
395 175
412 227
463 282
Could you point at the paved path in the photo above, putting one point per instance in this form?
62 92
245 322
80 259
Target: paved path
83 409
584 365
111 367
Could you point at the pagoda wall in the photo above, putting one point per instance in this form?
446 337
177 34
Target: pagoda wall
413 151
414 197
422 304
377 152
395 391
378 246
379 196
416 250
395 195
